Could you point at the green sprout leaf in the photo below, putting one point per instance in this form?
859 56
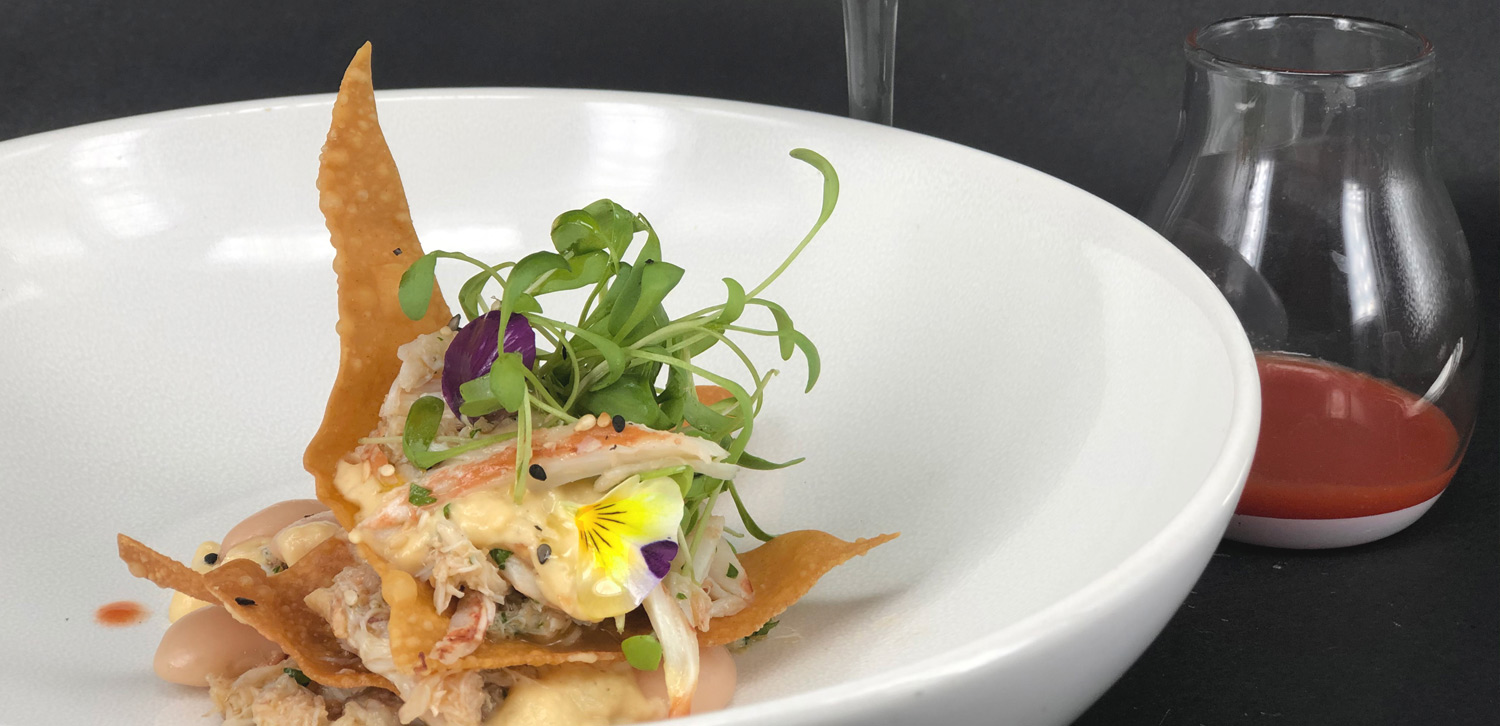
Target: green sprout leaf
734 306
418 285
421 428
753 462
577 232
616 223
419 282
526 272
586 269
642 652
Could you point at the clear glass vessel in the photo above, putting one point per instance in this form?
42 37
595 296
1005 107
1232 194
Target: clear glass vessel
1303 182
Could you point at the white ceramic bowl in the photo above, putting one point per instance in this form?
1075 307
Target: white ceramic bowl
1051 404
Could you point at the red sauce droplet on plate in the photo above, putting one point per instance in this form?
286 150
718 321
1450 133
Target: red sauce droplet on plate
121 613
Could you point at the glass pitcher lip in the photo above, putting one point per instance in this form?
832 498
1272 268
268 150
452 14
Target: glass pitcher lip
1418 63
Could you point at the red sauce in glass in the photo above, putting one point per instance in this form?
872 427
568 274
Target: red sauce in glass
121 613
1336 443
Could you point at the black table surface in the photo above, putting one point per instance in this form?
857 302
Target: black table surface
1402 631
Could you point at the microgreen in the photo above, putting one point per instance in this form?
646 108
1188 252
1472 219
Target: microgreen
642 652
298 676
422 423
624 352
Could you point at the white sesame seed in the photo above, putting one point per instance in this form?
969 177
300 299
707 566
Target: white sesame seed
603 419
387 470
585 423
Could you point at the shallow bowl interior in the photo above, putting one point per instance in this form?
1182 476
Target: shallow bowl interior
1028 384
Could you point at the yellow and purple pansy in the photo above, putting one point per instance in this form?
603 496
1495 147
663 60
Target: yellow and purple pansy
626 544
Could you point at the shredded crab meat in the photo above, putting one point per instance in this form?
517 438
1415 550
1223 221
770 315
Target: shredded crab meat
466 629
269 696
729 595
360 618
568 454
525 617
421 375
454 565
679 650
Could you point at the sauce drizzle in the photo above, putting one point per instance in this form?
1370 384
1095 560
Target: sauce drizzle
121 613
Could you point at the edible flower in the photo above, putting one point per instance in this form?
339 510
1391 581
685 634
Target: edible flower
475 348
626 544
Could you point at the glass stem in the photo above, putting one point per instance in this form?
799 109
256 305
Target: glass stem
870 40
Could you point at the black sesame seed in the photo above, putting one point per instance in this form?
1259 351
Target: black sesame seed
211 558
618 422
396 252
453 322
537 472
247 602
543 553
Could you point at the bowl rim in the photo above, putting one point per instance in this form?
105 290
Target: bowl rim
1206 510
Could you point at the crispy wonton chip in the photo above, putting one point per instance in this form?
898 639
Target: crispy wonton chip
364 205
415 627
273 605
782 571
166 572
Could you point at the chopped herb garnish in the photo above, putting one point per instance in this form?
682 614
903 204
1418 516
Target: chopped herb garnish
448 511
420 496
681 596
280 567
500 556
298 676
642 652
733 572
755 637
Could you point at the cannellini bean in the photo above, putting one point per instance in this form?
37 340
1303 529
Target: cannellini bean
716 680
209 641
271 520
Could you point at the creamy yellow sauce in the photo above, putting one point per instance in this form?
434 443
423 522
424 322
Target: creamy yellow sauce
578 695
288 546
183 604
488 517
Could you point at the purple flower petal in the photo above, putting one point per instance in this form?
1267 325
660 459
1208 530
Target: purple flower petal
473 351
659 556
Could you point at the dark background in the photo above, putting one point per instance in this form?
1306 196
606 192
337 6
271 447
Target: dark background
1403 631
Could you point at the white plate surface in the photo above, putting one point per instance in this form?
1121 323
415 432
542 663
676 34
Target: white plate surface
1049 402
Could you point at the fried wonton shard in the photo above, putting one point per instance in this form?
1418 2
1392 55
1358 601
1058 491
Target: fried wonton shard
274 605
364 205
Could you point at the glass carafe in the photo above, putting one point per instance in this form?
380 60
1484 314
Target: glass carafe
1303 182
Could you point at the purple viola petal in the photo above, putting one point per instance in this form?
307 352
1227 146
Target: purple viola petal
659 556
473 351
